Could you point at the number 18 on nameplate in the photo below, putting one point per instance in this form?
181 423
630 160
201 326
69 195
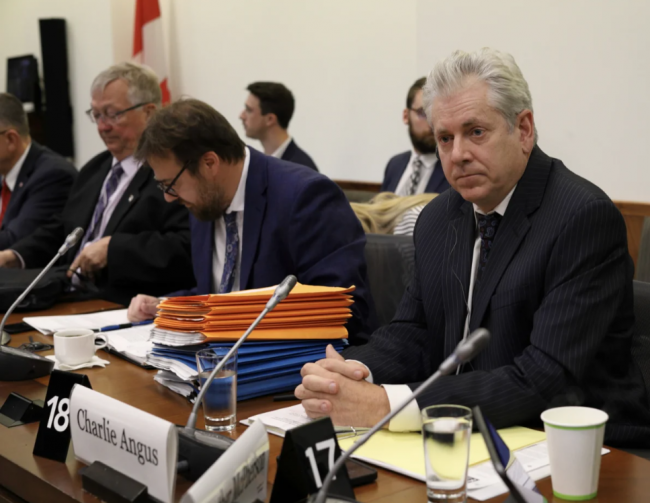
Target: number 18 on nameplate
53 439
308 454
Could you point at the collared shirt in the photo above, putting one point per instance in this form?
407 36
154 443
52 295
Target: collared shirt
12 177
428 165
130 167
219 252
281 149
409 419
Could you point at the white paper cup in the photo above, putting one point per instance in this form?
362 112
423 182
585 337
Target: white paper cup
575 440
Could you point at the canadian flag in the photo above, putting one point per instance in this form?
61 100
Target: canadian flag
148 43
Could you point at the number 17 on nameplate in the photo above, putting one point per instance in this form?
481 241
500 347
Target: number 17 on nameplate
53 439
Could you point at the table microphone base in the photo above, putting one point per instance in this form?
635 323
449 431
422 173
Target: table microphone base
5 339
332 498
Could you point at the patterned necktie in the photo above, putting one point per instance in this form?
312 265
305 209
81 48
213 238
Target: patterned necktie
6 196
415 176
232 252
487 230
107 191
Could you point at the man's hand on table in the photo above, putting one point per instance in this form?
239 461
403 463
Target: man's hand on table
142 307
336 388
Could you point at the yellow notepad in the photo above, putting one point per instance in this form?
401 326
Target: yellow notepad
404 452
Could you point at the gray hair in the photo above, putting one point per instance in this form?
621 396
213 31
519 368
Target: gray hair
141 80
12 114
508 90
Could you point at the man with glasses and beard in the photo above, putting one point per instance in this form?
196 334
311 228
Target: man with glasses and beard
419 170
133 241
254 218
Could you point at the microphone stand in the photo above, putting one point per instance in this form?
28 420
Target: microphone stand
70 241
465 351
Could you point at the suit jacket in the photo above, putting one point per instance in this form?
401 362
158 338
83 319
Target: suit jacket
296 222
396 167
556 294
294 153
40 192
149 251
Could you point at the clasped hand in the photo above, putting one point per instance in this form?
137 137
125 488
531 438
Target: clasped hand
337 388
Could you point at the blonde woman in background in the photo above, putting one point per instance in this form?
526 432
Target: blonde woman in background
386 213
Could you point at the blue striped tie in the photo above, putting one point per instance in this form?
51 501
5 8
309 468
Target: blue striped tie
232 252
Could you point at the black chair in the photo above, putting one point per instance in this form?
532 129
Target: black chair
390 260
641 344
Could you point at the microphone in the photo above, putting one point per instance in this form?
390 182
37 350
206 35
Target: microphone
17 364
198 449
464 352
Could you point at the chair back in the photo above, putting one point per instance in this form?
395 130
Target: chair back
641 338
390 260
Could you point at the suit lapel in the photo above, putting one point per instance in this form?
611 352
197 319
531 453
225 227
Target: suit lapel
26 171
254 211
128 199
512 231
289 151
459 248
436 179
392 186
91 190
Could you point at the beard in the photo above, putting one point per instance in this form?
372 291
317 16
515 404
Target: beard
211 205
425 143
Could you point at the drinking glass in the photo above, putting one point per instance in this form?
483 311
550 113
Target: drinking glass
446 430
220 399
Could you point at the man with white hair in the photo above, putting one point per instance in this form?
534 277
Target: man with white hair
521 246
133 241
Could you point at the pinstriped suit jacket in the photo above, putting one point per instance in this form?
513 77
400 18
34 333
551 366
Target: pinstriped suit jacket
556 295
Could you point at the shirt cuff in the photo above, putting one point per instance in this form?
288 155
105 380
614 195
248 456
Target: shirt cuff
20 259
369 378
409 419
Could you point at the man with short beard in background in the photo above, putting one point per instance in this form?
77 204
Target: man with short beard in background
418 170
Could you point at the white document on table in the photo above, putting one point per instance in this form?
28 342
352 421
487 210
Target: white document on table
50 324
135 443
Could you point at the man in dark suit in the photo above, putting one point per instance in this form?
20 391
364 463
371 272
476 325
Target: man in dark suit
133 241
266 115
35 180
521 246
255 219
418 170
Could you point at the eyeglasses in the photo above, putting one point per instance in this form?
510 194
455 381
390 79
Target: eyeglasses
110 118
169 189
420 112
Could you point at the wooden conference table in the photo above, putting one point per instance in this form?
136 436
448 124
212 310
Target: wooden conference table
24 477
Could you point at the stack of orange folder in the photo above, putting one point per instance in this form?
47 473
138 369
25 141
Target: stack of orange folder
308 312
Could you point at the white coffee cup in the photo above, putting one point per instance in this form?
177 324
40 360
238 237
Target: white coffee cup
575 439
76 345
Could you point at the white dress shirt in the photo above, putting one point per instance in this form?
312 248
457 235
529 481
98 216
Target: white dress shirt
12 177
219 251
281 149
409 419
428 164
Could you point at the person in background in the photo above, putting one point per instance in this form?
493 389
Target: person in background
255 219
133 241
418 170
384 213
35 181
266 115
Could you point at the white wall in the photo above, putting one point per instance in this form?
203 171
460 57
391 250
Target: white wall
89 51
349 64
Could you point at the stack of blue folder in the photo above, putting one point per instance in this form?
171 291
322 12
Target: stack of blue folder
264 367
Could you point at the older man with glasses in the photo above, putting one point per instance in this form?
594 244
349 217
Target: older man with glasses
133 242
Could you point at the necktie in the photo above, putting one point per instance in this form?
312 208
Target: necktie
487 229
415 176
232 251
107 191
6 196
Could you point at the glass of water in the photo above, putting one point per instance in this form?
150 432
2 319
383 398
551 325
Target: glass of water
446 430
220 400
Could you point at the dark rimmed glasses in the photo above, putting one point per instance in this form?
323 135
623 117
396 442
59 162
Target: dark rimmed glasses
113 117
420 112
169 189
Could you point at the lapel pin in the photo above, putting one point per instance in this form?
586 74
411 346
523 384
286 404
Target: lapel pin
20 184
131 198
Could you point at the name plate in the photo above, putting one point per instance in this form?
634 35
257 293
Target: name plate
239 475
135 443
